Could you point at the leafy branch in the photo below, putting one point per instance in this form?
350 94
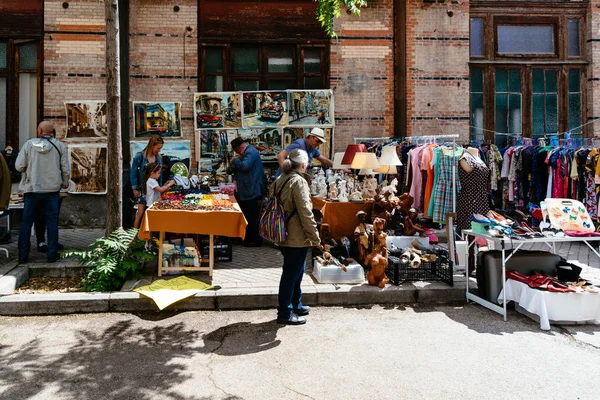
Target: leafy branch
328 10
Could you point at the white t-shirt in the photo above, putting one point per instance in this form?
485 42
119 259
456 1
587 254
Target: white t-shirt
151 194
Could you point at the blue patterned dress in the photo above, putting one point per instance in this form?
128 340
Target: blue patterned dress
442 191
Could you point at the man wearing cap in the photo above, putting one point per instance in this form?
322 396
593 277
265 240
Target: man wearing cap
310 144
251 187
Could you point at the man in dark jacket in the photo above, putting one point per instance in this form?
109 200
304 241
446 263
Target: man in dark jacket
251 187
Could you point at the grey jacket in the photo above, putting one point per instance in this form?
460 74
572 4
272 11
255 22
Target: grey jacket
301 228
40 165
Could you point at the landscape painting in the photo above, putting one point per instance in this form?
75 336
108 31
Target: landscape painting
156 118
173 151
86 120
311 108
88 168
265 109
217 110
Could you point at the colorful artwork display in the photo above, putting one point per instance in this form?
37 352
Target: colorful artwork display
310 108
86 120
217 110
173 151
216 153
88 168
156 118
265 109
291 134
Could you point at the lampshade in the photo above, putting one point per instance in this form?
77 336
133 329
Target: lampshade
365 161
366 171
351 150
337 161
388 170
389 156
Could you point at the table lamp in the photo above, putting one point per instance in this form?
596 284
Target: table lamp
364 160
337 161
389 156
387 170
351 150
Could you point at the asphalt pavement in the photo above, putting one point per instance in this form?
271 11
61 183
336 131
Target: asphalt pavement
421 352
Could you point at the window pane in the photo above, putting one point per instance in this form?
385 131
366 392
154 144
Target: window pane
517 39
501 80
2 111
28 56
514 80
550 80
477 116
575 113
245 59
476 37
574 80
245 85
2 55
537 77
551 113
214 59
312 60
281 59
313 82
476 80
574 47
280 84
27 107
538 114
501 113
214 83
508 113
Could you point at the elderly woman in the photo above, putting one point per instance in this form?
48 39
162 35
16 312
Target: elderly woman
302 233
150 154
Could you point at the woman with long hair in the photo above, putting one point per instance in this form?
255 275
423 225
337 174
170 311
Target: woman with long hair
302 234
150 154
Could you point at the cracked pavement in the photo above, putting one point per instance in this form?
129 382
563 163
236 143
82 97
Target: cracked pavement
424 351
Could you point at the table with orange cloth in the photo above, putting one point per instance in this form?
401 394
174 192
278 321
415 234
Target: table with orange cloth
341 217
219 223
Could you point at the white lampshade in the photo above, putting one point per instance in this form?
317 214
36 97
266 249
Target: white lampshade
366 171
337 161
389 156
365 161
388 170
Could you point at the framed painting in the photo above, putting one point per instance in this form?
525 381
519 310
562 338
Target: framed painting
310 108
217 110
88 168
265 109
86 120
173 150
291 134
156 118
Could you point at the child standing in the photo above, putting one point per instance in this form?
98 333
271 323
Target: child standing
151 189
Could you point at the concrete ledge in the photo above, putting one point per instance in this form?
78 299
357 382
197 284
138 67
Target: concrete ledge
49 304
57 270
14 278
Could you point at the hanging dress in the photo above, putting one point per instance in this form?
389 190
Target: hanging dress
443 197
473 198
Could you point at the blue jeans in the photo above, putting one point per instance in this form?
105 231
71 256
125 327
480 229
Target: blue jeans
290 294
32 202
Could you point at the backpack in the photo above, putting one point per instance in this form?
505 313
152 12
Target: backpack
273 223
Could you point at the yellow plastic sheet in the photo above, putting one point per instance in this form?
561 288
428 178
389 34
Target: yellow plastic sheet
166 292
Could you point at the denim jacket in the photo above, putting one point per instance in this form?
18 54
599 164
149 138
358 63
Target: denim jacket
136 175
250 175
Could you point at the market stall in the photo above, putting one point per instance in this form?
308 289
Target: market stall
340 216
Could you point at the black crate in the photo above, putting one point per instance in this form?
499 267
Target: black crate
442 270
223 250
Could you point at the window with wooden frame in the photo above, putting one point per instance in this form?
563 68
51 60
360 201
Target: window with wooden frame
527 69
247 67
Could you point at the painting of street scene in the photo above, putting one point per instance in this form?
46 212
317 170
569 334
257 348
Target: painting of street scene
217 110
154 118
86 120
88 168
265 109
291 134
173 151
311 108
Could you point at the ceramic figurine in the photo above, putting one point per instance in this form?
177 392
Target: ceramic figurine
369 190
391 188
314 187
350 184
356 196
343 194
333 191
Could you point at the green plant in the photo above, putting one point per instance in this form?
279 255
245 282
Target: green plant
113 259
328 10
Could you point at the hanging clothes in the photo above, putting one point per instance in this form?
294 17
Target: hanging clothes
473 198
444 190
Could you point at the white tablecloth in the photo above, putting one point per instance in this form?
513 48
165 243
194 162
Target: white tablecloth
552 306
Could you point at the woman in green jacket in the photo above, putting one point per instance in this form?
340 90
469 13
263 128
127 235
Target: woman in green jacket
302 234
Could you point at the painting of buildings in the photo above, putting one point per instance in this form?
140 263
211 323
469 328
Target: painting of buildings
157 118
217 110
265 109
86 120
88 168
311 108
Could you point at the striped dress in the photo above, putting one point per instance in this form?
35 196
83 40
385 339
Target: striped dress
442 197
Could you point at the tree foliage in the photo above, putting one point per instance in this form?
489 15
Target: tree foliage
328 10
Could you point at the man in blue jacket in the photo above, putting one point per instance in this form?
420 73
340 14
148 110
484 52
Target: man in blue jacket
251 187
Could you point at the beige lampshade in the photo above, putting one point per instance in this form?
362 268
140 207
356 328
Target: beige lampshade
388 170
337 161
365 161
389 156
366 171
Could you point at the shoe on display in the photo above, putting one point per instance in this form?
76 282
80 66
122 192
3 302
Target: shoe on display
293 320
42 247
304 310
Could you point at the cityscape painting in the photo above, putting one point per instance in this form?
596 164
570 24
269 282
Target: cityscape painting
265 109
217 110
88 168
86 120
156 118
311 108
173 151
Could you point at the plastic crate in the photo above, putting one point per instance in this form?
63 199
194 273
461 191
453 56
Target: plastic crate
334 274
441 270
223 250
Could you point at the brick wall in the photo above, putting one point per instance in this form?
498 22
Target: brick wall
592 40
437 68
362 74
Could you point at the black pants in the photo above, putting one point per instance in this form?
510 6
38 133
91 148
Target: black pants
39 223
251 210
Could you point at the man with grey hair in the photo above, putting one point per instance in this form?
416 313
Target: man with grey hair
44 165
